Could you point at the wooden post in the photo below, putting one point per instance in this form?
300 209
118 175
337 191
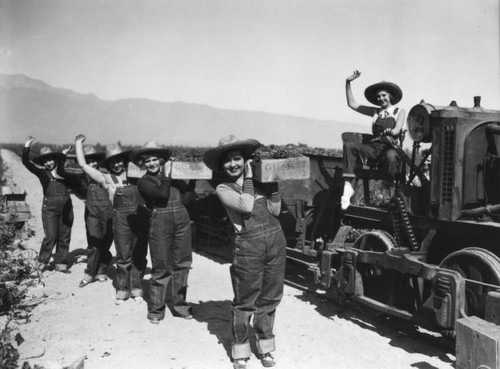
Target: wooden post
477 344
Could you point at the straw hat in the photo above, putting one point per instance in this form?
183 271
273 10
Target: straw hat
212 156
113 151
45 153
150 148
392 88
90 152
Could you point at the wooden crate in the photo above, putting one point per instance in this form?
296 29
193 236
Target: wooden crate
180 170
477 344
190 170
273 170
133 171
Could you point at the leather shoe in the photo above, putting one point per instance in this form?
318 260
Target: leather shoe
63 268
240 363
84 283
267 360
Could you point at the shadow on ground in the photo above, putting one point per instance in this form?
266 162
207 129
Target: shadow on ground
402 333
217 315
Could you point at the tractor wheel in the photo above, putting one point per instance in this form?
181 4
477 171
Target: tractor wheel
378 282
475 264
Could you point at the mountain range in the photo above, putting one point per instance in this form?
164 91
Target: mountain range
56 115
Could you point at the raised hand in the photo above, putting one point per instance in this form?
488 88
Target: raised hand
81 137
167 168
248 168
392 132
353 76
29 141
66 150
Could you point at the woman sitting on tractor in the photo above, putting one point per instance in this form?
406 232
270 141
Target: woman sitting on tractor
387 121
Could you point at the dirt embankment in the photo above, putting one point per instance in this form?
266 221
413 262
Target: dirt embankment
311 332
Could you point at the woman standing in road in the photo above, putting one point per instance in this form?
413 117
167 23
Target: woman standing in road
258 267
98 218
57 209
387 120
129 221
169 233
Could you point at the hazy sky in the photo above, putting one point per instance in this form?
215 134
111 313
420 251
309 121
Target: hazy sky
282 56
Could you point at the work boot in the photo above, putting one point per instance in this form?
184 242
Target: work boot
267 360
41 267
345 201
38 269
63 268
240 363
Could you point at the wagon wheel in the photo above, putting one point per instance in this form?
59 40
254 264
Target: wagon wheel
378 282
475 264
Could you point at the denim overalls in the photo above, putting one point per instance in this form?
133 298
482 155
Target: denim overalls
382 123
57 218
171 256
130 233
99 226
257 275
373 149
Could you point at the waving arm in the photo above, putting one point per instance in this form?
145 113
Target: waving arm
351 101
95 174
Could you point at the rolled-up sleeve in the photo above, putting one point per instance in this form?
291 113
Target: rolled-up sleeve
274 204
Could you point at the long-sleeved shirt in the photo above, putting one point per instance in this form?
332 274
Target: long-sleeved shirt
156 189
238 201
43 175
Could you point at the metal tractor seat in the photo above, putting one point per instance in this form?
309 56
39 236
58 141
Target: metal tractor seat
367 169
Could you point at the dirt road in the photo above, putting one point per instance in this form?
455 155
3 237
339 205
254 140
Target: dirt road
73 322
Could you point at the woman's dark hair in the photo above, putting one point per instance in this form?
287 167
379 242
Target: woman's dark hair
122 157
223 158
47 158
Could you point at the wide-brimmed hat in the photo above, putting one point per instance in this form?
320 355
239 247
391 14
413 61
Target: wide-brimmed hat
90 152
212 156
150 148
113 151
45 153
392 88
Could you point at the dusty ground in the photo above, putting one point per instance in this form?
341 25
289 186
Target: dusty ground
71 322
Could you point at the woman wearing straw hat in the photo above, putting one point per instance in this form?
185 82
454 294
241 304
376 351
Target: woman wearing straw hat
169 233
57 209
98 218
129 222
387 120
258 267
